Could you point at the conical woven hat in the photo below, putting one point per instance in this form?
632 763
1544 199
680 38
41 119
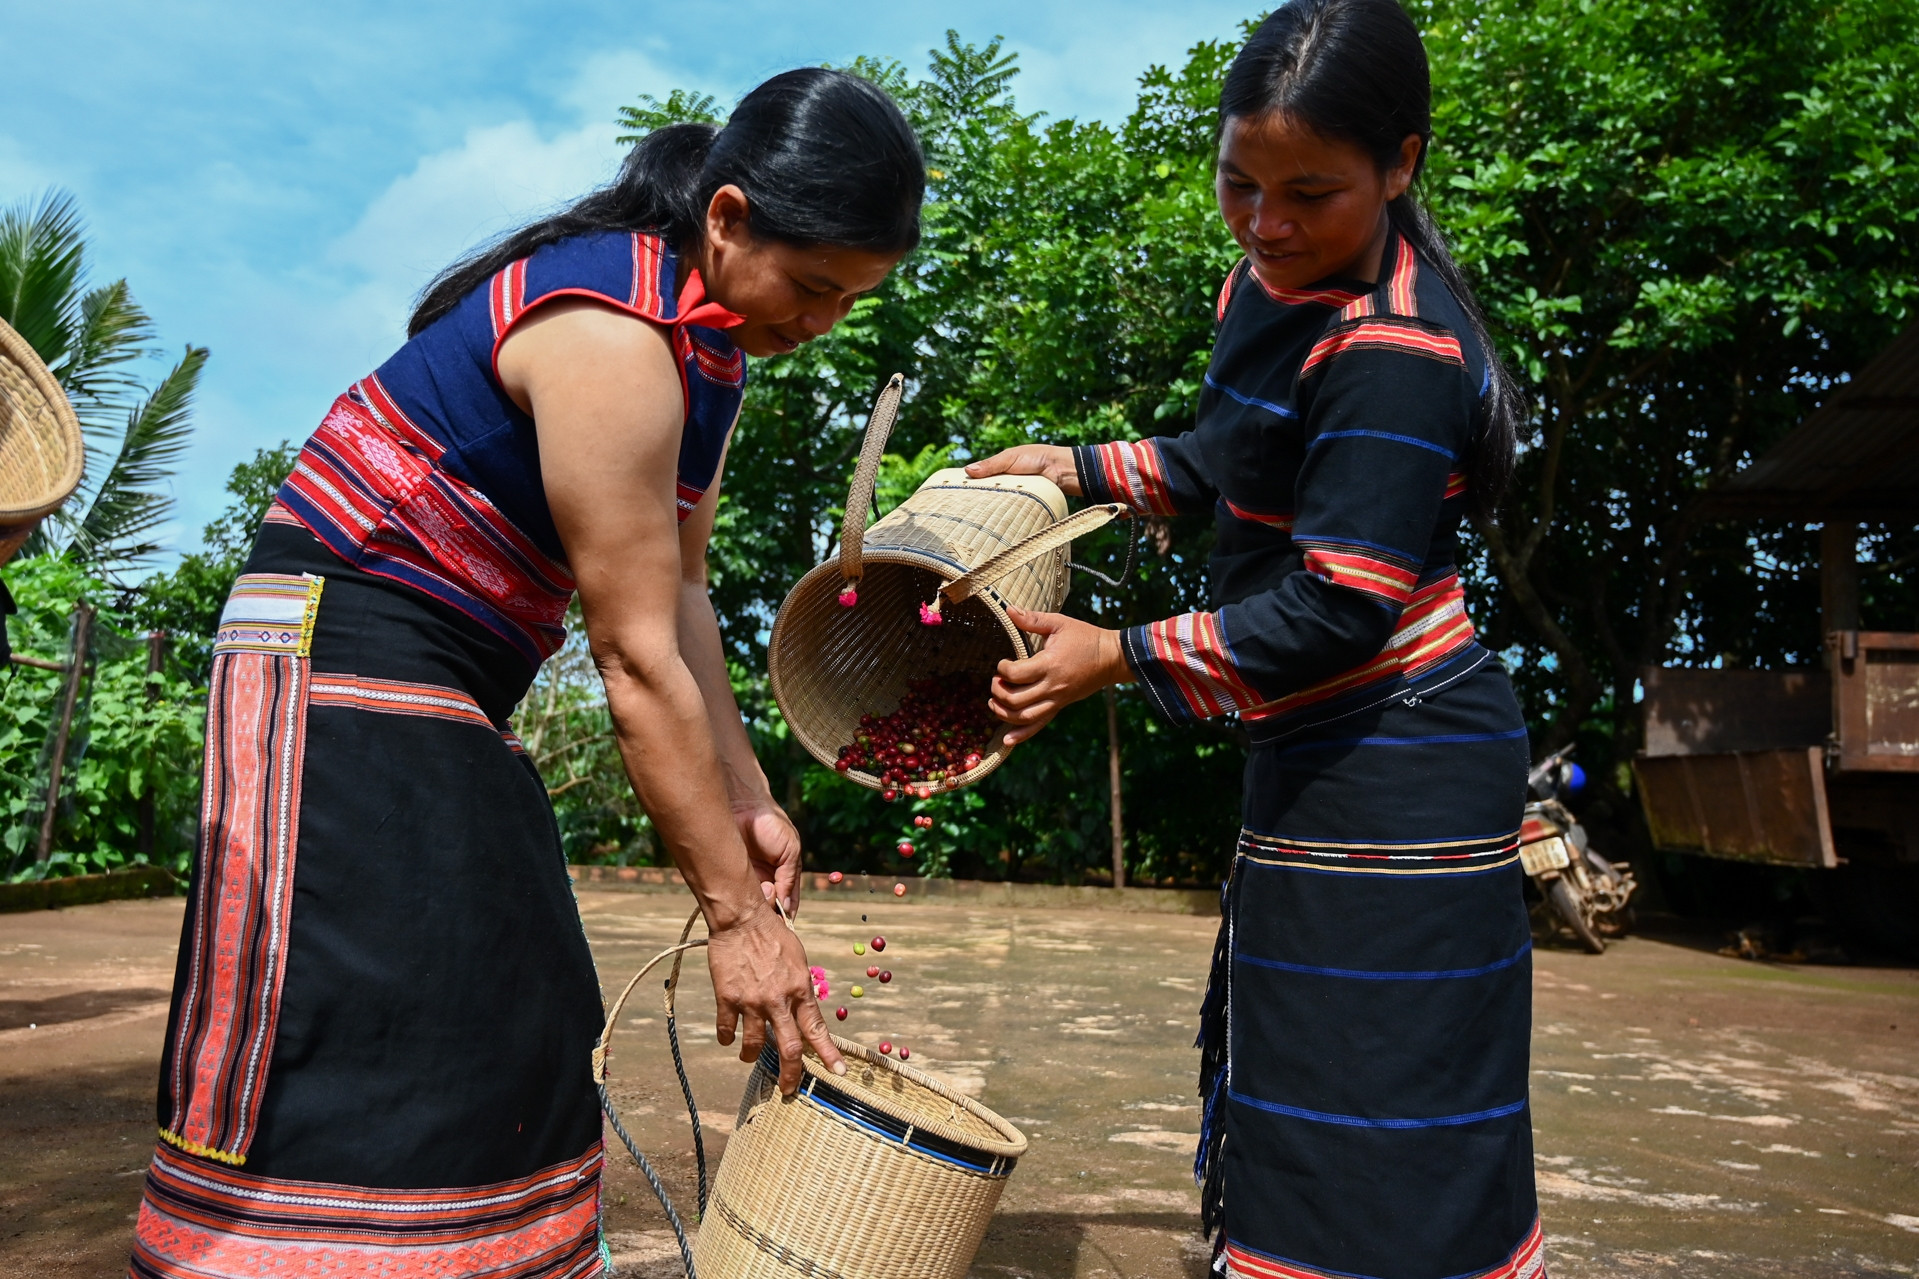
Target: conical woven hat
41 451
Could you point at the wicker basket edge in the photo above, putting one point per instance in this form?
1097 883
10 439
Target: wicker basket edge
15 350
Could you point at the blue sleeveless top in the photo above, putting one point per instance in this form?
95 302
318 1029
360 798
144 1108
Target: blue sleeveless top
427 472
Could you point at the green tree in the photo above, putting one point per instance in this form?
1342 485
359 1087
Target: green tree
89 337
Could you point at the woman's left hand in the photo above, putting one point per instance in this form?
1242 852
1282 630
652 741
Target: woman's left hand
1078 660
773 846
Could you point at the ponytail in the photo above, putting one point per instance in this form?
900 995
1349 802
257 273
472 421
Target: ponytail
824 158
1356 70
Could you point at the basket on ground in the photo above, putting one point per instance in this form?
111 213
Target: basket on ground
41 451
968 548
882 1173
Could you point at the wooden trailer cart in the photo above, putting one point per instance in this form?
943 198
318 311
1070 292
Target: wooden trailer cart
1819 766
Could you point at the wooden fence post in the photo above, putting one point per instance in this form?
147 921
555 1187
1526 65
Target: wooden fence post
156 661
1112 769
76 671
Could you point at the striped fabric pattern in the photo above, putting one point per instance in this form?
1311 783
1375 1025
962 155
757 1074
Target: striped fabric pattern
1373 571
397 697
1387 335
1188 666
1282 520
201 1221
1363 857
369 485
1133 472
228 996
1528 1261
269 613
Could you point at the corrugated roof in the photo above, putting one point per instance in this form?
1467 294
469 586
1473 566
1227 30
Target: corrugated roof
1857 456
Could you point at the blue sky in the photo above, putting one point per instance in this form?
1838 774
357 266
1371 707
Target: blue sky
277 181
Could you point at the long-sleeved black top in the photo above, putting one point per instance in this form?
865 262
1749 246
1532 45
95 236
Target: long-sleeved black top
1330 442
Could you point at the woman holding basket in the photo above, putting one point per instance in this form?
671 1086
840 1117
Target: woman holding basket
1365 1036
377 1056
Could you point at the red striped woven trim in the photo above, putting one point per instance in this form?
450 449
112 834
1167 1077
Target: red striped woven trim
649 294
229 989
1226 292
201 1221
1135 474
1455 485
1369 574
1192 652
1275 519
1401 297
1387 335
397 697
1527 1261
1432 627
717 366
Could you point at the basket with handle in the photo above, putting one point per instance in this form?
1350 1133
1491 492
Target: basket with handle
853 633
880 1173
41 450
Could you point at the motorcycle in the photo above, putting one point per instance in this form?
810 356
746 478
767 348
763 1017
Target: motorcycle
1590 896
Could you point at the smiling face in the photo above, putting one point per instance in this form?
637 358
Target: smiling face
1302 206
789 294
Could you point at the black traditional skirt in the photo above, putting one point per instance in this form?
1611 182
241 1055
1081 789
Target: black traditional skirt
1369 1019
377 1060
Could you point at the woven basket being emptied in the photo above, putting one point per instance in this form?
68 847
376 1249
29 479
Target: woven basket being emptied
41 450
971 548
883 1173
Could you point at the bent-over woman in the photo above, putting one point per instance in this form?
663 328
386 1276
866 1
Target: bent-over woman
377 1059
1365 1037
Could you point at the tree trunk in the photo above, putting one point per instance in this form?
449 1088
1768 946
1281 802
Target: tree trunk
156 659
76 671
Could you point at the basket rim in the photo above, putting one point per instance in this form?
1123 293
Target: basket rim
1012 1145
825 753
57 412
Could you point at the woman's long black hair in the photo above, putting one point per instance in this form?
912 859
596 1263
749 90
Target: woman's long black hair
824 157
1356 70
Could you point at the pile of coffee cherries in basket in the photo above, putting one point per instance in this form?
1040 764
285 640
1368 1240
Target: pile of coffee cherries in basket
940 731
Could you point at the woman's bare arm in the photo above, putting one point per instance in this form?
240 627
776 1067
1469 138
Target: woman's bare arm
604 392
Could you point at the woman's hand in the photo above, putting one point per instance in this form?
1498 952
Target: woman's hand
760 977
1050 460
1079 659
773 843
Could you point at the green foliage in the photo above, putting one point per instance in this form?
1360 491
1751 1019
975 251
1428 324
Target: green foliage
135 742
1690 220
88 337
185 602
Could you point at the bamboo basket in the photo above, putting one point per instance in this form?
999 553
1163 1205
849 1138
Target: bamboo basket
885 1172
882 1173
41 450
969 549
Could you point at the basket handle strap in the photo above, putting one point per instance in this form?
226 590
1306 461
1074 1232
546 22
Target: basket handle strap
859 497
1050 538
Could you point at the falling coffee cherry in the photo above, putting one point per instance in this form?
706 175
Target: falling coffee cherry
879 943
886 975
906 848
835 878
886 1047
840 1012
872 972
899 890
889 794
905 1053
857 992
859 948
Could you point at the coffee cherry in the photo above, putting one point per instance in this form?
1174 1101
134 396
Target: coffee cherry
905 849
879 944
889 794
872 972
857 992
886 1047
899 890
905 1053
859 948
840 1013
886 975
835 878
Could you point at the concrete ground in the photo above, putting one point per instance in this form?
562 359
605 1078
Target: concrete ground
1696 1116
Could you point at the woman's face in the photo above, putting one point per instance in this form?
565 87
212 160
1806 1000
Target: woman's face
1304 207
788 294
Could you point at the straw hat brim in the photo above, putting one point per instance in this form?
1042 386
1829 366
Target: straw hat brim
41 450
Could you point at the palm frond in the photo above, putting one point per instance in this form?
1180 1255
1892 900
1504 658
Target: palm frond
113 330
130 501
42 259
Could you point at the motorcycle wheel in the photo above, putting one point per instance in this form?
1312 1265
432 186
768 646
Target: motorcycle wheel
1565 900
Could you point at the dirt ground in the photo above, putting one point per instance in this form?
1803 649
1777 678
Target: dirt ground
1696 1115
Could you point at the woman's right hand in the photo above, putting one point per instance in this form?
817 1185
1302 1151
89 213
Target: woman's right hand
1053 461
760 977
